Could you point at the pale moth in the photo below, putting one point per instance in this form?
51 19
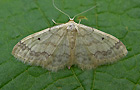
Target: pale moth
69 44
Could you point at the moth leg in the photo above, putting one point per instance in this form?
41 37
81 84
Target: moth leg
56 22
79 21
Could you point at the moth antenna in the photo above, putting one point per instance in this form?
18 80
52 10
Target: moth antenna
60 10
84 11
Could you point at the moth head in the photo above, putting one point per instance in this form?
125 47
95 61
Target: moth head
71 26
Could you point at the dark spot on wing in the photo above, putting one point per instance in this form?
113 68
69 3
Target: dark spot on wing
38 38
103 38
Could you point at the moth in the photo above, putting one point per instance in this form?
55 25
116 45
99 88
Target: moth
69 44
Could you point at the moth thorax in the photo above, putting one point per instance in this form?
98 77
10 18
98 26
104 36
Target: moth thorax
71 27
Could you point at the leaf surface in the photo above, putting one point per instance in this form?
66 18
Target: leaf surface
20 18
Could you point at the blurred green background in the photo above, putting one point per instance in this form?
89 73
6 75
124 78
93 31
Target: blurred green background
20 18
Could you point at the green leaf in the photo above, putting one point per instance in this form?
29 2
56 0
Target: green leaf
20 18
